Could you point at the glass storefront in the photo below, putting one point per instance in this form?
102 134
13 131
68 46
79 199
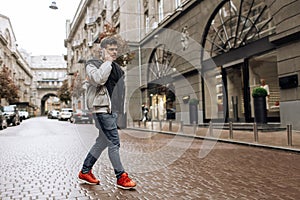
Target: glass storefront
228 89
215 103
265 67
162 102
236 40
235 92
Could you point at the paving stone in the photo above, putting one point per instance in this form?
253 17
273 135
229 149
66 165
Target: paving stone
45 165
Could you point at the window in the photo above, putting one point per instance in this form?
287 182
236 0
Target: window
177 3
160 4
236 24
115 5
147 22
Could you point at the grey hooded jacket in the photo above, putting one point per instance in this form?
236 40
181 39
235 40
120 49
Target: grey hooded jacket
98 99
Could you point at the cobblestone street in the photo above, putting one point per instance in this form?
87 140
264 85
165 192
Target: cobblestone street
41 158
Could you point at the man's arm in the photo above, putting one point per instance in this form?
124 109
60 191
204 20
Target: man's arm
98 76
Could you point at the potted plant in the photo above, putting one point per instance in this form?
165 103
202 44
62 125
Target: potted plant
260 108
193 108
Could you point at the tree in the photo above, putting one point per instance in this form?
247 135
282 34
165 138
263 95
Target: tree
63 93
9 90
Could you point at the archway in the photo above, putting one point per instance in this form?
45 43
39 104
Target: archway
161 91
44 100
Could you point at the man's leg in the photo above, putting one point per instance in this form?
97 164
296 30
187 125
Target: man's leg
95 152
109 127
86 175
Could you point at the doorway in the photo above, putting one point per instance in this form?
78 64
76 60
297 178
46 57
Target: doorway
233 78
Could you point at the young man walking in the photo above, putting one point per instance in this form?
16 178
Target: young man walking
105 97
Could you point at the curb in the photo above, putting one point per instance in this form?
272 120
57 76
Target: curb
222 140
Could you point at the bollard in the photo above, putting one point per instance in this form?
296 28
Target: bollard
210 128
139 122
151 125
230 130
255 132
160 125
170 125
289 134
194 127
181 126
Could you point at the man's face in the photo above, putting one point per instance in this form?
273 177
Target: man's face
112 50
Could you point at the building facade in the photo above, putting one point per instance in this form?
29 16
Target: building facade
19 69
49 72
213 51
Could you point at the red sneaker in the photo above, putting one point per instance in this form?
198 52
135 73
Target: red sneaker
88 178
125 182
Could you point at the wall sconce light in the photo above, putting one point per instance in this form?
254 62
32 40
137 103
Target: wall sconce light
186 99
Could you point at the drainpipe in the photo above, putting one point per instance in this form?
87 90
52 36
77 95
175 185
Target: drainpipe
140 58
139 42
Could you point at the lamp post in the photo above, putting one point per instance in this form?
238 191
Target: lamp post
53 5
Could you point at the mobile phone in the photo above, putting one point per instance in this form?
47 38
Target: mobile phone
102 53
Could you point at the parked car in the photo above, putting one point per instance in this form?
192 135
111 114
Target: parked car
12 115
65 114
24 114
53 114
3 121
80 116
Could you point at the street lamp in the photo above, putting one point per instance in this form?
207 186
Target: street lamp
53 5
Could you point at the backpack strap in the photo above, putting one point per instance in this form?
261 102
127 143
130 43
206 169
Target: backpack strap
95 62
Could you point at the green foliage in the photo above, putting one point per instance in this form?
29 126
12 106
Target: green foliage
63 93
9 90
193 101
259 92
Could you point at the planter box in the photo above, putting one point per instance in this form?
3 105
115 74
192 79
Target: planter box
193 113
260 110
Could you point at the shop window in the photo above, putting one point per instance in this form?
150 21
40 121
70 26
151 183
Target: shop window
214 99
265 67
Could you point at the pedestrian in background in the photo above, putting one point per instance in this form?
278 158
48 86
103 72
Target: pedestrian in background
266 87
105 97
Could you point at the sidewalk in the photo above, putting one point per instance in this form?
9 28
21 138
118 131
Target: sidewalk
268 138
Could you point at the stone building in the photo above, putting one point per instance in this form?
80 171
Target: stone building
10 57
214 51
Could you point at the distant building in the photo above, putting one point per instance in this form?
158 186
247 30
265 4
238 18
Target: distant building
49 72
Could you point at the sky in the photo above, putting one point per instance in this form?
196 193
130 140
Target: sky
39 29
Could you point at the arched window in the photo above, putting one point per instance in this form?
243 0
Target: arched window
160 64
236 23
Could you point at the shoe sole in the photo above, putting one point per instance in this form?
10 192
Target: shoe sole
86 182
125 188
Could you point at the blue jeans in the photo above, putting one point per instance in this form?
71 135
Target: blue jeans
108 137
